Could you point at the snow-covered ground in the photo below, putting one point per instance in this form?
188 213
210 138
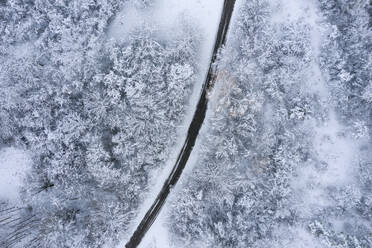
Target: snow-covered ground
14 164
163 16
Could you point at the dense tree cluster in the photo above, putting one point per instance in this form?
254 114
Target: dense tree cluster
262 178
346 57
98 116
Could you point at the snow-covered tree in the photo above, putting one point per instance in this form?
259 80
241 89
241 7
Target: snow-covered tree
98 115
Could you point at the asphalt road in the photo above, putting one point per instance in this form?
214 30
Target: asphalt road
192 134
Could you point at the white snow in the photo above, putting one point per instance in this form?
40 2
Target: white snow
337 150
165 15
14 164
338 154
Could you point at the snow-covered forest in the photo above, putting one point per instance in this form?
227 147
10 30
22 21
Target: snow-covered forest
96 98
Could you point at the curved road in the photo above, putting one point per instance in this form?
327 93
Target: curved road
192 134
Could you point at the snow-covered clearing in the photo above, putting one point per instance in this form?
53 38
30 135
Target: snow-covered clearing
14 164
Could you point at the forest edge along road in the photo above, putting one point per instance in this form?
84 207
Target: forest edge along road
192 134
